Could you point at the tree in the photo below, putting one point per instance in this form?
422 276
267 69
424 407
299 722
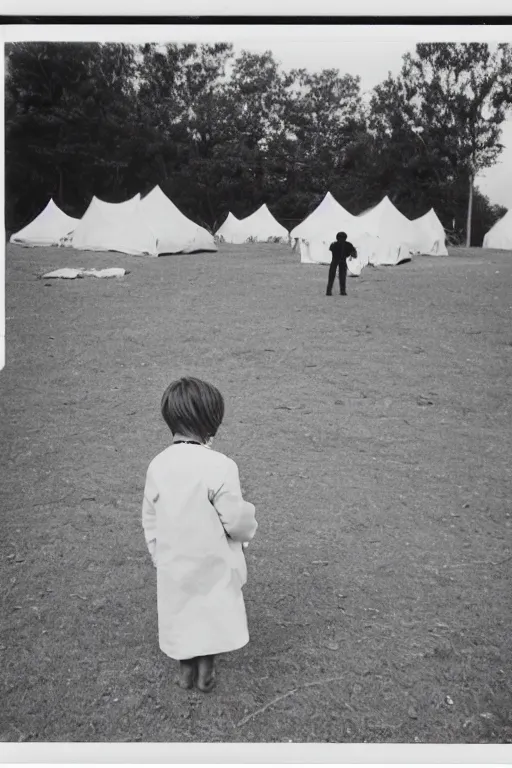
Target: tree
398 158
324 119
459 97
257 100
68 118
220 132
183 103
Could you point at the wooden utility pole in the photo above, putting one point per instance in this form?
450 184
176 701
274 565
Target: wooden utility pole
470 210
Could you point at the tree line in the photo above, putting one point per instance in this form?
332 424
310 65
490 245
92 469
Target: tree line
221 131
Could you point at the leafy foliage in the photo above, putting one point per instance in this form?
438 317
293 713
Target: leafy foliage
439 122
221 133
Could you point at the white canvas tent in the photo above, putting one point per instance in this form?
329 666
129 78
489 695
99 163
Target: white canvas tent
430 234
500 235
395 233
262 227
231 230
319 230
173 231
46 229
149 227
327 217
114 227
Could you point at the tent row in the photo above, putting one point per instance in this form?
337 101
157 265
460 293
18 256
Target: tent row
150 226
153 225
381 235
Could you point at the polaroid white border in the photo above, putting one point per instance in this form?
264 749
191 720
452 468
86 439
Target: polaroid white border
244 34
264 8
247 753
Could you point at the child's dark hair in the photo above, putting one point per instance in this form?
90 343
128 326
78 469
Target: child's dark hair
193 407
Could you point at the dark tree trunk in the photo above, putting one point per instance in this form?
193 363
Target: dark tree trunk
470 211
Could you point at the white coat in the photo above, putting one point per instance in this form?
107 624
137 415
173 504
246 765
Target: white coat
195 521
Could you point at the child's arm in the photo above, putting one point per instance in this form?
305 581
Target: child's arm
236 515
149 516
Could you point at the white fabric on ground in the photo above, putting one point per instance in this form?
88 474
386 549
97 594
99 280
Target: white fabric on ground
70 273
67 273
110 272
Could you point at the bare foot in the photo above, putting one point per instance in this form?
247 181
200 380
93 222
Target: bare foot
188 671
206 673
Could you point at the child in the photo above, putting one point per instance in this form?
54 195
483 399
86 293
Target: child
195 523
341 250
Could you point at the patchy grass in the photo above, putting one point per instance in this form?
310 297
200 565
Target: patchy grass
373 435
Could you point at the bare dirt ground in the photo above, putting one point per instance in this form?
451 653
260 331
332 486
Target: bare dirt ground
373 433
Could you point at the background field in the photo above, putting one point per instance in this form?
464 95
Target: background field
373 435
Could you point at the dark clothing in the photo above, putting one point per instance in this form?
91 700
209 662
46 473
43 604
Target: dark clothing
342 266
341 251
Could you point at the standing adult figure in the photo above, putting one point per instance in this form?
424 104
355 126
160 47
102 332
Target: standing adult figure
341 250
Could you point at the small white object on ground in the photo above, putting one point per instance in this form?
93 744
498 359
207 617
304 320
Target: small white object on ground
70 273
66 272
110 272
